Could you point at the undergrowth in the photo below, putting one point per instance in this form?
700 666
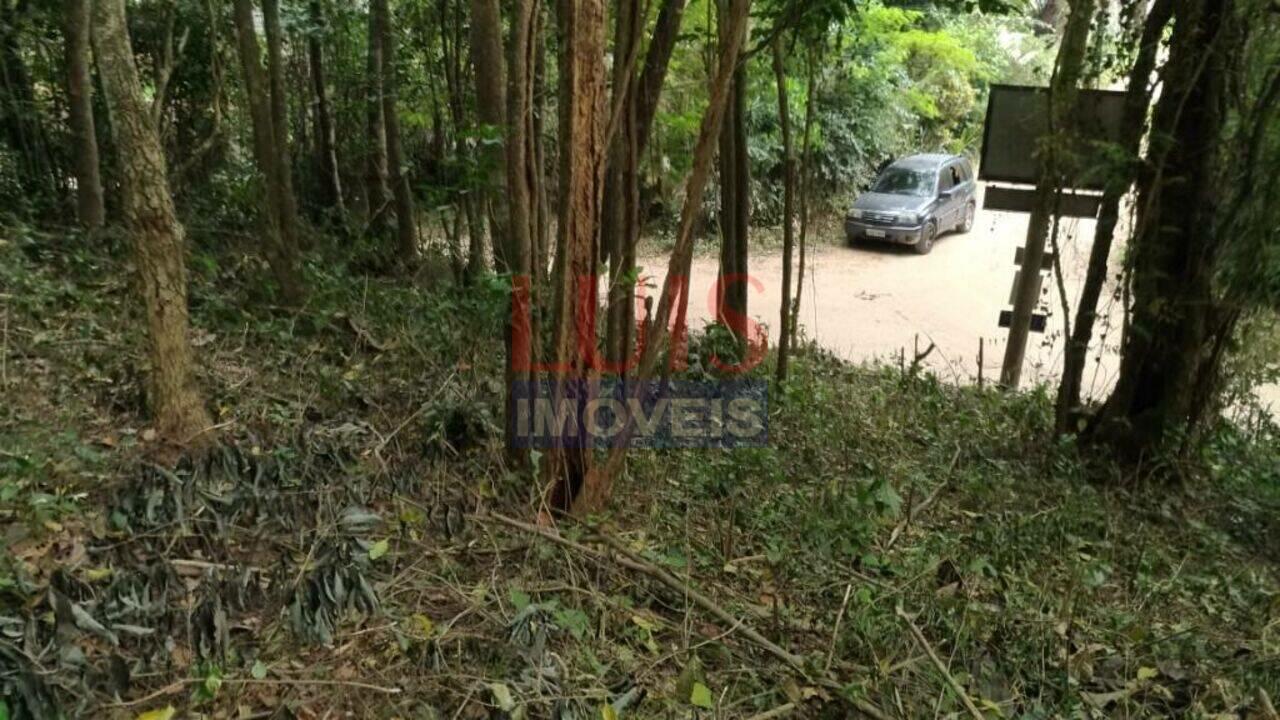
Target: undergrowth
339 554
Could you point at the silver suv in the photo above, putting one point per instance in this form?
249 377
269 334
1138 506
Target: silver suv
914 200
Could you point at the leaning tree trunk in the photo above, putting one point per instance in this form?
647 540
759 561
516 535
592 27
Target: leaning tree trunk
326 139
788 205
157 237
282 254
406 217
89 200
377 189
1170 347
1134 123
490 80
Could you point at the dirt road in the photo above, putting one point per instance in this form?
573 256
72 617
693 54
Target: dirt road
874 301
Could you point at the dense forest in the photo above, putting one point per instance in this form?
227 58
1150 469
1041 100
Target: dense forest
285 285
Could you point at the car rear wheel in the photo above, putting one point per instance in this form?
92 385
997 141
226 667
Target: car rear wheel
925 245
970 211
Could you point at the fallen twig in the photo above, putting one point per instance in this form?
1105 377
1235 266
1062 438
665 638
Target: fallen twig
629 559
942 668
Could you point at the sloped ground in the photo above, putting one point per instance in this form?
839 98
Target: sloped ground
355 548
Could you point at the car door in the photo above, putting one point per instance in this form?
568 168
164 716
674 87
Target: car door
949 190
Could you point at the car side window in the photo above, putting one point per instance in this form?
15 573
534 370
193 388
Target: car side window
949 179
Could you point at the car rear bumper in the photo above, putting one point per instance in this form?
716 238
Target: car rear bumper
902 235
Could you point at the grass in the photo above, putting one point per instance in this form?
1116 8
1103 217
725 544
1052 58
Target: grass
335 554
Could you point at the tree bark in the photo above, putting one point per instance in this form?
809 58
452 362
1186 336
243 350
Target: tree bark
90 209
788 205
1169 351
156 235
377 188
326 139
406 219
1133 127
282 252
490 80
573 485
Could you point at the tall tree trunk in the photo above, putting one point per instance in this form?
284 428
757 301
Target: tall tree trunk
788 205
806 186
621 202
282 252
1063 90
674 301
1133 127
623 216
377 188
451 34
406 220
490 78
89 200
280 123
326 138
573 485
735 204
522 192
156 235
1170 347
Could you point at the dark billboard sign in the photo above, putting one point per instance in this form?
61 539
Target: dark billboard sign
1017 119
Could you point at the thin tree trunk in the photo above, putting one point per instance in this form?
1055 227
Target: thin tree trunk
490 78
735 205
675 289
522 193
22 116
90 209
1062 99
788 205
1133 127
806 187
282 253
280 123
156 234
326 138
620 211
377 189
406 220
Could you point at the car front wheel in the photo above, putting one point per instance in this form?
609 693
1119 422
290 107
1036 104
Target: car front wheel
925 245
